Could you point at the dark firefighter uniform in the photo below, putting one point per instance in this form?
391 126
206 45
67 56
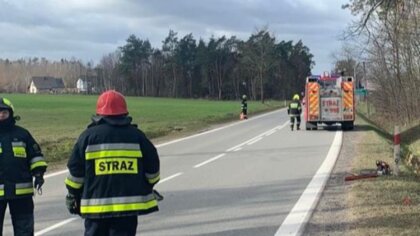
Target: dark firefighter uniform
244 107
20 159
112 169
294 110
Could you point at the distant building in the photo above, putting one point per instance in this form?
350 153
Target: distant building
46 84
82 85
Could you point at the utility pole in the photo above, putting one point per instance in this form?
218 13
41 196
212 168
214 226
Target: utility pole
354 73
366 88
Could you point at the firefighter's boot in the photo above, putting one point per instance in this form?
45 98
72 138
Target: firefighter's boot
291 127
297 127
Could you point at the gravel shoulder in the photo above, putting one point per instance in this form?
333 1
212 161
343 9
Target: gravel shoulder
331 216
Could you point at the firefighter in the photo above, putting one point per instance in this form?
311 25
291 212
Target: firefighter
244 107
112 170
294 110
21 159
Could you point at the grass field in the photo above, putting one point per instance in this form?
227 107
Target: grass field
57 120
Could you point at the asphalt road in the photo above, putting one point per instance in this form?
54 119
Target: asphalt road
240 179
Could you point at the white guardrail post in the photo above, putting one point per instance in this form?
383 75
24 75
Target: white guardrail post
397 149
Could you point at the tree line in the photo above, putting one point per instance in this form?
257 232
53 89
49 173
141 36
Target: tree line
388 33
220 68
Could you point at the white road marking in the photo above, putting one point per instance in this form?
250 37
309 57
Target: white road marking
283 125
61 223
270 133
170 177
301 212
254 141
250 140
209 160
256 137
55 174
239 146
189 137
51 228
39 233
217 129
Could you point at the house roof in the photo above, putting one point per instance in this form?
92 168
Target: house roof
46 82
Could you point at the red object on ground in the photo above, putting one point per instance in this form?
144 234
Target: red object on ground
407 201
356 177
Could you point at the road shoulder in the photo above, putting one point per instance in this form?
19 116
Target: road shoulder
330 217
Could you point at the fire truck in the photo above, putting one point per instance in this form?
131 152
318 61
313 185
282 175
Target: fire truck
329 100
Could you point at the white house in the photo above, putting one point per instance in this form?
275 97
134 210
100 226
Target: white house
82 85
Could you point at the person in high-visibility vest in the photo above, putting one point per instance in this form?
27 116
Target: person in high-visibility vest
294 110
21 160
112 171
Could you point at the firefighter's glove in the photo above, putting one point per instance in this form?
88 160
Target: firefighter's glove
157 195
73 204
38 182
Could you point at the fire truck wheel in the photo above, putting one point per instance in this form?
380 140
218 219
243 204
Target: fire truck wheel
311 126
348 125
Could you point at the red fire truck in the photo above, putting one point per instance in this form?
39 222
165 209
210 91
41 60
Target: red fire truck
329 100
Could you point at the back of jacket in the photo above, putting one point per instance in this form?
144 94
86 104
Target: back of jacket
114 167
294 109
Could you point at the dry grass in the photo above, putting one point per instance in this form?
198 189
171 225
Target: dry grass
387 205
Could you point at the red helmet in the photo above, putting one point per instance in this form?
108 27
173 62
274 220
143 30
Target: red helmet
111 103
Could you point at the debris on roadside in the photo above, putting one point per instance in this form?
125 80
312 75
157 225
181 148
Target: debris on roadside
364 174
382 168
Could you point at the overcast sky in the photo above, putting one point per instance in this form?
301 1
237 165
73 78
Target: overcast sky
89 29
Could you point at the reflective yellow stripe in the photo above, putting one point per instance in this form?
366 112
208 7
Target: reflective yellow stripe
8 103
109 166
24 191
19 152
294 105
118 207
113 153
1 150
1 192
37 164
154 180
73 184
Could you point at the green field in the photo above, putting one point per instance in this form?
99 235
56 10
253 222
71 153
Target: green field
57 120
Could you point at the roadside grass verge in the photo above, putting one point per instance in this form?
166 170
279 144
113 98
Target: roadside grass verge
57 120
410 132
386 205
